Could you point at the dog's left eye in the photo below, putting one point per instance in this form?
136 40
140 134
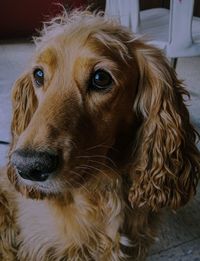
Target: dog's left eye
101 80
38 75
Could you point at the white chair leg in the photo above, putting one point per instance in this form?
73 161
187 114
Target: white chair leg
174 62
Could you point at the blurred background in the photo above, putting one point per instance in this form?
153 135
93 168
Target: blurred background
23 18
179 239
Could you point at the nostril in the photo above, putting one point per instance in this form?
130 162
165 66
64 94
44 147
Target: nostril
34 165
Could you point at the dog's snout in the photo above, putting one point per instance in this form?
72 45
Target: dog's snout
34 165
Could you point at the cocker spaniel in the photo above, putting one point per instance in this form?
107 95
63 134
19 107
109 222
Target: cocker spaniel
101 143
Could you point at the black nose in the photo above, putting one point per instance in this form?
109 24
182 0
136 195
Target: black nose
34 165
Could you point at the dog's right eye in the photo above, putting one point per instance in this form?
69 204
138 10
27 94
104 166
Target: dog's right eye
38 75
101 81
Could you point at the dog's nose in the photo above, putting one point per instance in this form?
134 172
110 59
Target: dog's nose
34 165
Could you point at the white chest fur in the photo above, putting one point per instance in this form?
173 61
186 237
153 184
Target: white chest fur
38 229
45 230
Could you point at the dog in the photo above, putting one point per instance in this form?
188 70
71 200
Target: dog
101 144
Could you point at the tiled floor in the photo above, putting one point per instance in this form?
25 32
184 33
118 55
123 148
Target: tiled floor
180 233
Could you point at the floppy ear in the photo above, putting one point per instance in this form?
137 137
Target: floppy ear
166 164
24 103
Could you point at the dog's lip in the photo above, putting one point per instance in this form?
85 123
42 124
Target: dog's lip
45 186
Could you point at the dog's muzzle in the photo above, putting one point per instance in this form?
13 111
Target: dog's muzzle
34 165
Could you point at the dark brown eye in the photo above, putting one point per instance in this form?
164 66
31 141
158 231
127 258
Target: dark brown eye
101 80
38 75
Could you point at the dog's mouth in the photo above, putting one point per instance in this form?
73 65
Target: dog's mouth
43 175
52 185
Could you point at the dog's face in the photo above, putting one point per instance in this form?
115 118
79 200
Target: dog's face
96 100
83 94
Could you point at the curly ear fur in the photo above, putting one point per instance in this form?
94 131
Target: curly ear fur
167 163
24 104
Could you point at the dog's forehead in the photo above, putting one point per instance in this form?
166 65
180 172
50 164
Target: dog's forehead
68 55
83 42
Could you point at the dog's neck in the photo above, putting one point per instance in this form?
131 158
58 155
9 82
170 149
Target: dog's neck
89 213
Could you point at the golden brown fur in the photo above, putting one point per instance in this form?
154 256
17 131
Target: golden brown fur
125 153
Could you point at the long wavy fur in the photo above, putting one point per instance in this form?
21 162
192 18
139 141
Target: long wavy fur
166 165
160 170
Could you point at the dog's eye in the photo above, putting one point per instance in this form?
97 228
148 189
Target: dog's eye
101 80
38 75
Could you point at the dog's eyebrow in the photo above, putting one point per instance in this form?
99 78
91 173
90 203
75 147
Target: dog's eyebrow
47 56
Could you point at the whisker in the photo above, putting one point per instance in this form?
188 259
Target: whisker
105 165
94 168
99 146
78 174
84 168
98 156
82 186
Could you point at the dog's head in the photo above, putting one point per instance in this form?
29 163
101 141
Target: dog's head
96 101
